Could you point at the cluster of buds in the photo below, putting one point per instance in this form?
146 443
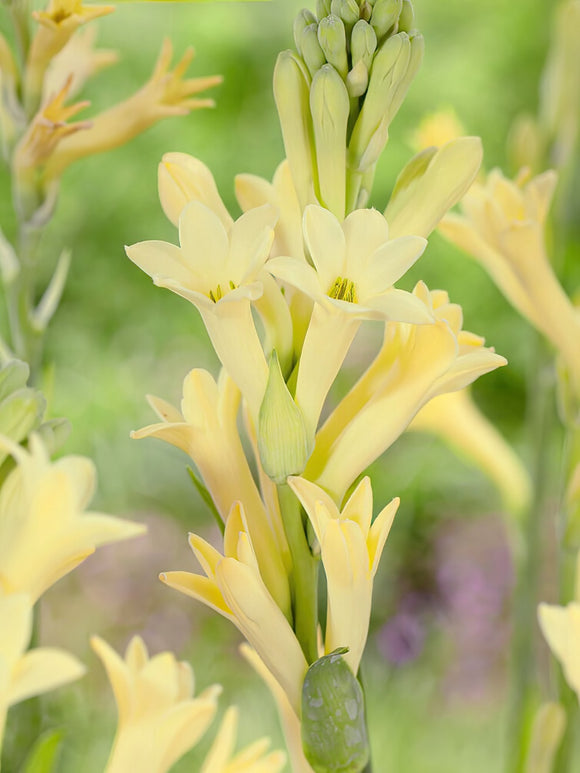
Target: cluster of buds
338 93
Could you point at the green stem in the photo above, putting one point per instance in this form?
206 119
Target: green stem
525 690
304 576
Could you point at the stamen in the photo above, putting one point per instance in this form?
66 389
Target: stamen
343 289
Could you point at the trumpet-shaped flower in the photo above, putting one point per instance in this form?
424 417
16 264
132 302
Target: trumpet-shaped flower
415 364
206 429
159 719
252 759
351 550
166 93
455 418
355 267
502 226
25 674
561 628
233 586
217 269
44 531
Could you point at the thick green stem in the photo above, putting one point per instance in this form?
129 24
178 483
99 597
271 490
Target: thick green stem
526 597
304 576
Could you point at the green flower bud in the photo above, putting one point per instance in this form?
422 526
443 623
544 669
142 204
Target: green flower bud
357 80
20 413
363 43
348 10
54 434
283 442
13 376
322 8
292 94
304 19
366 10
407 17
385 15
329 107
334 734
312 54
332 39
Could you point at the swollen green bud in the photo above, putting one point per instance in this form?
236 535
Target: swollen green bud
283 442
348 11
366 10
357 80
329 106
332 39
292 94
385 15
13 376
334 734
54 434
312 54
20 413
363 43
304 19
407 17
322 8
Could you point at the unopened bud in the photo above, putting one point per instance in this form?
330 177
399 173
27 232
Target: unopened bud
348 10
332 39
334 734
283 442
322 8
329 106
385 15
304 19
20 413
312 54
407 17
357 80
363 43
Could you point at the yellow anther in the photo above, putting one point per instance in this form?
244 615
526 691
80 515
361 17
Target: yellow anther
343 289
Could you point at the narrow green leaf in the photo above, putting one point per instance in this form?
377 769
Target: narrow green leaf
44 755
206 497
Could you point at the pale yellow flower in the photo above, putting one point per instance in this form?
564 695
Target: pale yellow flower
415 364
253 759
25 674
561 628
437 129
457 420
159 719
233 586
166 93
351 549
503 227
44 529
430 184
218 270
206 429
355 267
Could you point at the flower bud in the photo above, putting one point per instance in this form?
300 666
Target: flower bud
332 39
357 80
363 43
20 413
385 15
322 8
283 442
407 17
312 54
348 10
329 106
334 734
304 19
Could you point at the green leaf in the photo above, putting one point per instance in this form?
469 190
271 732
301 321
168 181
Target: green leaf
206 496
44 754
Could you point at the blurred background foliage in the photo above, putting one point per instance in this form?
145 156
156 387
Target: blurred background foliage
437 655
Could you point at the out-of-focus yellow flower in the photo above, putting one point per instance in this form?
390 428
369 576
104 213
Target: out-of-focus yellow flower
288 716
44 531
159 719
252 759
79 60
415 364
25 674
430 184
167 93
503 227
561 628
355 267
233 586
458 421
351 550
218 271
206 429
437 129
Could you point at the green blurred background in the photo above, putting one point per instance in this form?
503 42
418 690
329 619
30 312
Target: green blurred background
117 337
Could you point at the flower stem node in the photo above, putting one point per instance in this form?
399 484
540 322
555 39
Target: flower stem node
283 440
334 735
